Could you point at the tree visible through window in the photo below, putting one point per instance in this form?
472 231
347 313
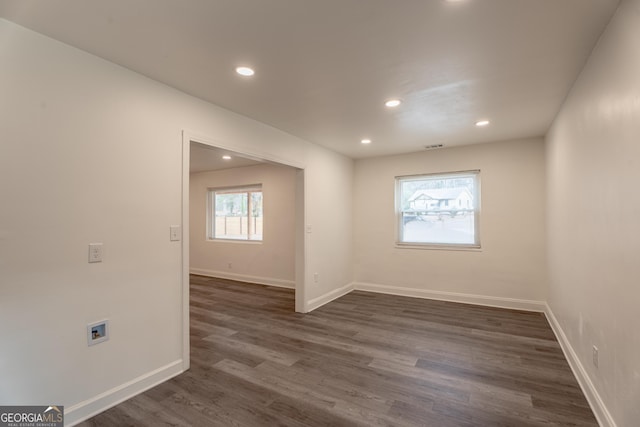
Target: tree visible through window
235 213
439 209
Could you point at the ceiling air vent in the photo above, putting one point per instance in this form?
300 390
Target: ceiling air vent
433 146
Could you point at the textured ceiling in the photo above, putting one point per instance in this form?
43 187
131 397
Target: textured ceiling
325 67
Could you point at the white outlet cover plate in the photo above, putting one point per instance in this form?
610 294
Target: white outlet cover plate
104 326
95 252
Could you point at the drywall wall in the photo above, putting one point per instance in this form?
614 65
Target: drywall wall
329 232
92 152
511 263
593 209
271 261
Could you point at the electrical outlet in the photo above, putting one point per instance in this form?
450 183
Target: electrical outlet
230 266
95 252
595 356
315 277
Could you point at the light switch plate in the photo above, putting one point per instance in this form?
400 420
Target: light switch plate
175 233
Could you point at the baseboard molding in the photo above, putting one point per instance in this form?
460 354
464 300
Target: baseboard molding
510 303
600 411
328 297
269 281
593 397
100 403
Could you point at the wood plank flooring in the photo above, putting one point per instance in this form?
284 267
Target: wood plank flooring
363 360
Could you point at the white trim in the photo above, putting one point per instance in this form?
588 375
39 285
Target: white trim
431 247
476 245
588 389
246 191
328 297
84 410
269 281
189 136
596 403
501 302
301 241
238 147
184 265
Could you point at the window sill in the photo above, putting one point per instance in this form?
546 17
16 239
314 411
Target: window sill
467 248
250 242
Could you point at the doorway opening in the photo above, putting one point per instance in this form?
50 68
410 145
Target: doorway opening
242 219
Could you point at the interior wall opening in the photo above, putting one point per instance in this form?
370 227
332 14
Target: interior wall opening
277 258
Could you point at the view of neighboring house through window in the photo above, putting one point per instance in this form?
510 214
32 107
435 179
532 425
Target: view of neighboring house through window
235 213
439 209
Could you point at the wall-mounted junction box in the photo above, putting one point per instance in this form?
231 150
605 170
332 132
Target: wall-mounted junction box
97 332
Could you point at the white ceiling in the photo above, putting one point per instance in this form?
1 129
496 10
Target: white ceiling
325 67
206 158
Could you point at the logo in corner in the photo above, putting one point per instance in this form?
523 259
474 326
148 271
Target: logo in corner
32 416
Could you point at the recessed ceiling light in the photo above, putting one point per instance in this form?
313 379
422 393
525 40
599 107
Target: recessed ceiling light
482 123
245 71
392 103
366 141
225 157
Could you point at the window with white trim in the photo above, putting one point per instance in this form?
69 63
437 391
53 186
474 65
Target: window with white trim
235 213
439 210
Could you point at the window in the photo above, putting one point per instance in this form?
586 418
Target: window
439 210
235 213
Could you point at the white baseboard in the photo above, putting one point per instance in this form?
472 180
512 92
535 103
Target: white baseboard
600 411
595 401
269 281
328 297
511 303
100 403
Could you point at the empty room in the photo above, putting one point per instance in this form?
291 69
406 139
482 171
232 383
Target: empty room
312 213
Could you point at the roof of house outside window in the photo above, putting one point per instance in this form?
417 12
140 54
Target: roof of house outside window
439 194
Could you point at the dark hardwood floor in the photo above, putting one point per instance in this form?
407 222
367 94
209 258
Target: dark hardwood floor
363 360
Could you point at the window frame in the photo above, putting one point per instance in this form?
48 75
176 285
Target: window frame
475 246
211 212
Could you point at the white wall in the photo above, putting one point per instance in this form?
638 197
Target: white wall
511 263
329 237
271 261
91 152
593 211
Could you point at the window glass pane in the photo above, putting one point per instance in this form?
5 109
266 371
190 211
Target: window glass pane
439 209
237 214
256 216
231 216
